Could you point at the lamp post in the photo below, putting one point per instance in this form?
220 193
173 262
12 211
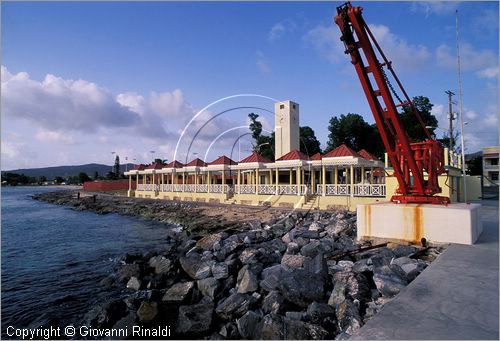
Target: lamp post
152 155
112 153
126 163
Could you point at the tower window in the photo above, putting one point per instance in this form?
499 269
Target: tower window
293 106
282 106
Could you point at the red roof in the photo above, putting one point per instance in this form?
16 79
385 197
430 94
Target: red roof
255 158
367 155
294 155
316 156
155 166
138 167
174 164
196 162
340 151
222 160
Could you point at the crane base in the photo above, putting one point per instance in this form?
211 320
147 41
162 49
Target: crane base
453 223
413 199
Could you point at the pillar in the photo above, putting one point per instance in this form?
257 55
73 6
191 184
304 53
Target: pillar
223 179
183 180
323 180
137 181
270 176
209 182
291 176
362 174
257 181
371 175
130 182
313 180
239 181
297 178
277 180
336 175
351 173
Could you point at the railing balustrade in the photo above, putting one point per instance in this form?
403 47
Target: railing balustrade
267 189
245 189
369 190
287 189
147 187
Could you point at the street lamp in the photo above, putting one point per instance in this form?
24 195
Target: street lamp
152 155
112 153
126 163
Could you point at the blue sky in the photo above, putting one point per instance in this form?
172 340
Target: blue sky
80 80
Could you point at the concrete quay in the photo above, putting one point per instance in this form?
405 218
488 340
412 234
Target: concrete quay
456 297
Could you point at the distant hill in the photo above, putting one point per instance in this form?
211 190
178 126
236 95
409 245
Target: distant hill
64 171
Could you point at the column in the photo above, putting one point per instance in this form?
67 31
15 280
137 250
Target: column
257 181
137 181
351 173
291 176
362 174
323 180
183 180
371 175
297 178
313 180
239 181
130 183
209 182
270 176
277 179
223 179
335 175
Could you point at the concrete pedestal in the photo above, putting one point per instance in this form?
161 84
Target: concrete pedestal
455 223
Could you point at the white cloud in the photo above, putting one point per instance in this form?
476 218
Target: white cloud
470 114
54 137
435 7
281 28
261 63
325 40
406 56
484 61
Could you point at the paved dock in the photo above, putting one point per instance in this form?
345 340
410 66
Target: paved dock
456 297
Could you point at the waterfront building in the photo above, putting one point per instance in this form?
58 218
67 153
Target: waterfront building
490 166
341 178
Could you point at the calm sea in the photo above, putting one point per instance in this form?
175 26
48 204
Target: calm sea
53 257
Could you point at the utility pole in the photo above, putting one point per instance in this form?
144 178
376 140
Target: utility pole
450 109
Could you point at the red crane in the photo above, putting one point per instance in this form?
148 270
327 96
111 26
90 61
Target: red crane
416 165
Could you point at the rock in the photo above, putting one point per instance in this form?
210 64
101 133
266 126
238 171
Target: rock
346 265
247 240
127 271
208 287
220 270
255 224
247 280
292 248
348 317
147 311
316 265
362 266
195 267
105 315
388 282
310 234
293 261
179 292
107 282
412 270
294 315
301 287
404 250
356 285
195 318
249 256
271 327
160 264
132 257
273 303
319 312
298 330
234 306
126 323
271 277
247 325
315 226
134 283
338 294
208 242
311 249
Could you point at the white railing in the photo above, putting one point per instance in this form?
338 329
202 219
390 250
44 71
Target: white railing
178 188
287 189
147 187
218 188
334 189
369 190
202 188
305 189
245 189
267 189
167 188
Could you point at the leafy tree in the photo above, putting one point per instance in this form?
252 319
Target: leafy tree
83 177
264 145
353 131
42 179
309 144
116 167
111 176
415 131
59 179
475 166
158 161
96 175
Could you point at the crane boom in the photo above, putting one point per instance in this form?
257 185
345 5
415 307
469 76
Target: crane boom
415 165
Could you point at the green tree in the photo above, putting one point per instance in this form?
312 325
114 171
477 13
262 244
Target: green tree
116 167
83 177
475 166
96 175
59 179
158 161
111 176
264 144
412 126
353 131
309 144
42 179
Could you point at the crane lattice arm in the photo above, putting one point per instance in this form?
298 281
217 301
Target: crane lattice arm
416 165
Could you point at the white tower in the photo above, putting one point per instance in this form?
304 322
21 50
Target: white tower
286 123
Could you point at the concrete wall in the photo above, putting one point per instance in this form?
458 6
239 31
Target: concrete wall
111 185
287 131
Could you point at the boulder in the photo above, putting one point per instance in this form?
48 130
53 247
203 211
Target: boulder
316 265
299 330
134 283
293 261
208 242
247 280
318 313
147 311
388 282
273 303
292 248
126 323
234 306
272 327
348 317
220 270
249 256
208 287
271 277
179 292
105 315
404 250
301 287
195 267
247 325
195 318
311 249
160 264
127 271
